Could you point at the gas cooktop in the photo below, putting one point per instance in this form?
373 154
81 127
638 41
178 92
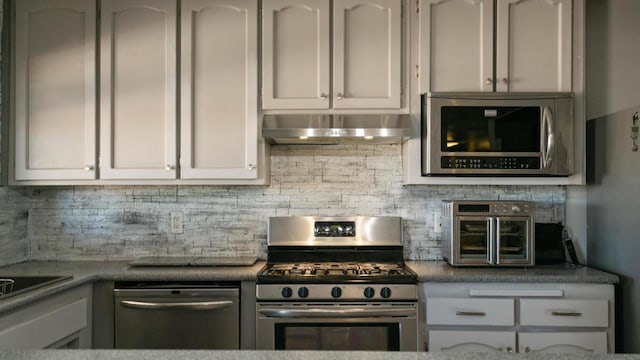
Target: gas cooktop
331 272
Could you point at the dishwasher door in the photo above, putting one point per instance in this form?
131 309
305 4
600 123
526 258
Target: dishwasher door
177 318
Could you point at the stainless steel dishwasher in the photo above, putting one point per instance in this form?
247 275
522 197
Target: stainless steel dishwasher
176 316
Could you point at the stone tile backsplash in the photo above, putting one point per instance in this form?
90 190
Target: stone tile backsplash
125 222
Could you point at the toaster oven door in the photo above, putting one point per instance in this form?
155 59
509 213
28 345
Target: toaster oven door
514 241
472 240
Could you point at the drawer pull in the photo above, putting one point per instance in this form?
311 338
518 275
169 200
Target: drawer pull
470 313
565 313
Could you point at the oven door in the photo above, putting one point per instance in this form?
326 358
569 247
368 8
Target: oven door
337 326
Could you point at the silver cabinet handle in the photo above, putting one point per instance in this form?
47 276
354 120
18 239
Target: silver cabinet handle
323 96
489 81
88 168
251 166
170 167
339 96
566 313
191 305
471 313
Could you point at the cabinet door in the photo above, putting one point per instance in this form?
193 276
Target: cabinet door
219 124
55 80
456 45
367 45
295 54
563 342
533 46
471 341
138 89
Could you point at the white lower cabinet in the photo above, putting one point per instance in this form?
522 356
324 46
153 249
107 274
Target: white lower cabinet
519 317
471 341
563 342
62 321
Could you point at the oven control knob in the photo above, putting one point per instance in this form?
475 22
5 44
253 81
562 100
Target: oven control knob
369 292
336 292
287 292
385 292
303 292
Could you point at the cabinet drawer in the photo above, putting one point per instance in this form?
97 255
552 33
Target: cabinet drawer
455 311
587 313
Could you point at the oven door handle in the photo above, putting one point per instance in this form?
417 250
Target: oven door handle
191 305
332 313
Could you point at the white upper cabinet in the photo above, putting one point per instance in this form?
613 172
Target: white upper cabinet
138 89
54 85
367 52
219 104
456 45
533 46
365 70
295 54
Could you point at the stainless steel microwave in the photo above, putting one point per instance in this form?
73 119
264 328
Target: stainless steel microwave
488 233
497 134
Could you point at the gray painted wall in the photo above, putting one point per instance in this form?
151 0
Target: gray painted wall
613 193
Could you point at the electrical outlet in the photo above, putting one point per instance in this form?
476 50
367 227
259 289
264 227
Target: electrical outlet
437 222
176 222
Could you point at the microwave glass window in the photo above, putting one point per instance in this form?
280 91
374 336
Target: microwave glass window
474 239
495 129
363 337
513 239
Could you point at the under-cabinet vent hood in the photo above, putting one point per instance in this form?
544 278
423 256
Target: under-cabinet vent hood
322 129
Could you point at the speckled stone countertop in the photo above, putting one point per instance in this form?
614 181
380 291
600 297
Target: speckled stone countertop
440 271
84 272
282 355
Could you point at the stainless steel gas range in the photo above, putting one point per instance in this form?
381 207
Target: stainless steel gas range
336 283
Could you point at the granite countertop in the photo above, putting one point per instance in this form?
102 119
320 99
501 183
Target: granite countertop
284 355
440 271
84 272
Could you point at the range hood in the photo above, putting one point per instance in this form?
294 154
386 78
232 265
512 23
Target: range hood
322 129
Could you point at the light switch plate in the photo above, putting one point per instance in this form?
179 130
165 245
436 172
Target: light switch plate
176 223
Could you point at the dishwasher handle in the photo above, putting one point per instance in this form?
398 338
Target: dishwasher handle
189 305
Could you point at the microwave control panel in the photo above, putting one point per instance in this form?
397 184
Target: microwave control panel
490 162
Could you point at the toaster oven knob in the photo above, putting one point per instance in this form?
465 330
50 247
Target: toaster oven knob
336 292
303 292
287 292
385 292
369 292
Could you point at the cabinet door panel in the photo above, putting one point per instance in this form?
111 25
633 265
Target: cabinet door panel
367 53
138 91
55 79
533 49
219 89
563 342
456 45
471 341
295 54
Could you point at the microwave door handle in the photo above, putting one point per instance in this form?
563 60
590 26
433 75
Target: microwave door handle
497 240
490 240
548 140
